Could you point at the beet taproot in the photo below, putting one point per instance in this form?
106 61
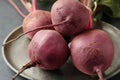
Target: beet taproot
80 17
47 50
34 20
92 52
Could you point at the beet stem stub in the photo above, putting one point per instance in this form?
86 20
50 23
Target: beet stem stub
16 7
26 66
99 73
33 5
24 2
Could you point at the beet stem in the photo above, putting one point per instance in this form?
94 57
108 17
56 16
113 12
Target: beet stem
95 7
90 26
18 10
42 27
26 66
85 2
34 5
24 2
99 73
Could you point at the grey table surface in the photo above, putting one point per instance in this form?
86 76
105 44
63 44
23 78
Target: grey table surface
10 19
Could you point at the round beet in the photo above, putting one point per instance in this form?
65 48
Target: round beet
79 17
34 20
47 50
92 52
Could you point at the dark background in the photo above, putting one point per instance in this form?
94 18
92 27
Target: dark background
10 19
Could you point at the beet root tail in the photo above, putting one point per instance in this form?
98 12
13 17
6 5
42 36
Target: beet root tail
39 28
26 66
99 73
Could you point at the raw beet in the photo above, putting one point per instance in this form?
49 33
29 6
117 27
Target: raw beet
34 20
80 17
47 50
92 52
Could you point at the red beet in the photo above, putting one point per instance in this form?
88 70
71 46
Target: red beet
80 17
47 50
34 20
92 52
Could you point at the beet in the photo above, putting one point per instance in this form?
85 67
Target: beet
34 20
47 50
80 17
92 52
